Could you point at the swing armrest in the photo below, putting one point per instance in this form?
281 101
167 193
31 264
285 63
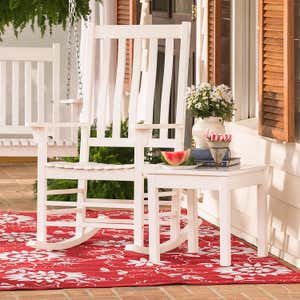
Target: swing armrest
71 101
158 126
36 126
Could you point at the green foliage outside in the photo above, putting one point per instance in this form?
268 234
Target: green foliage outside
40 13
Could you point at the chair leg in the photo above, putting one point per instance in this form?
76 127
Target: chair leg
154 226
175 220
41 209
80 215
139 212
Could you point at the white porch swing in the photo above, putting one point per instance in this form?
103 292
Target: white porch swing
30 85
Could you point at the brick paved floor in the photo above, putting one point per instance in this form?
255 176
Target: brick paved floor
16 193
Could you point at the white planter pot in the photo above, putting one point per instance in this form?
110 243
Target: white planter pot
200 126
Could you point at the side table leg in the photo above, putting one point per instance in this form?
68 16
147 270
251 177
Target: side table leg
225 227
262 235
192 211
154 226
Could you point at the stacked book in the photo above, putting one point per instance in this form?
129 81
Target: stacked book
204 158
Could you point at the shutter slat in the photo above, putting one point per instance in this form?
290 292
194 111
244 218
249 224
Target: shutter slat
276 69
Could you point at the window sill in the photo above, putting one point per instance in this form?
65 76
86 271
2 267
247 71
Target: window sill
250 126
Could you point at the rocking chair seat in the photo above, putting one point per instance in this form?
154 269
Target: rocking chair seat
88 166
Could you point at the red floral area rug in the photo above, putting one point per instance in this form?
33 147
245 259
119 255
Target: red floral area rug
103 262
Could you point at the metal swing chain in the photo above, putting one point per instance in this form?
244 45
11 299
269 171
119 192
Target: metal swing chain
73 19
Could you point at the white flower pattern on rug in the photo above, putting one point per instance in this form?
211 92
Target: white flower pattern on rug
7 218
16 237
30 256
242 271
44 276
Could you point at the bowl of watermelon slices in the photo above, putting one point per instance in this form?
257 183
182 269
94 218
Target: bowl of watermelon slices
178 159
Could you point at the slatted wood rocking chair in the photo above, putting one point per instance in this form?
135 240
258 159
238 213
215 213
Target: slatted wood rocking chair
28 94
141 99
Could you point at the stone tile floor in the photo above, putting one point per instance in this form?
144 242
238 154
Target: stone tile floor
16 193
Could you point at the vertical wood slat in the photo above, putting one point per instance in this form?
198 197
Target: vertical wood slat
214 29
182 81
103 100
119 88
166 89
28 92
15 92
151 79
3 91
135 84
41 91
276 70
56 93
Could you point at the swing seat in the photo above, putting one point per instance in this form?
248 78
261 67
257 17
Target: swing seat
28 147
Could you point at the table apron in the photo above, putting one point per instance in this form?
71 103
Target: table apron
206 182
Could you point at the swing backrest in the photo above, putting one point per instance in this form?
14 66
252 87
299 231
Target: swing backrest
28 93
144 102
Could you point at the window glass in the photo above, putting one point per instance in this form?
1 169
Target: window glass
183 6
226 40
160 5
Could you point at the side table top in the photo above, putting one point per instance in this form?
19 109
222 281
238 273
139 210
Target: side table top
160 169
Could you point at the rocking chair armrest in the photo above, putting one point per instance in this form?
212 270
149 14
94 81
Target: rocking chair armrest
158 126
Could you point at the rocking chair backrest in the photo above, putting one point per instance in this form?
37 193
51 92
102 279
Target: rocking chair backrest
143 101
26 94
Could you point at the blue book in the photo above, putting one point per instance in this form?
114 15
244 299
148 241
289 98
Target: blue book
204 155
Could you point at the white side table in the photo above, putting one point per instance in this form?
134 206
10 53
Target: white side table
222 180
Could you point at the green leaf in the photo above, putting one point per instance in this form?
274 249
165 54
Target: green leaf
43 14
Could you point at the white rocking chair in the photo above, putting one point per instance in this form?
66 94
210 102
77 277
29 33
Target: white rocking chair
28 94
139 134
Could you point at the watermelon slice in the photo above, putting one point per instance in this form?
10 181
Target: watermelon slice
176 158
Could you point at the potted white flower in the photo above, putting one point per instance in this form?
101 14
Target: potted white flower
211 106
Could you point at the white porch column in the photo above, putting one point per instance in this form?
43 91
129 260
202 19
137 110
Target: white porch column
146 18
107 16
101 14
201 41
